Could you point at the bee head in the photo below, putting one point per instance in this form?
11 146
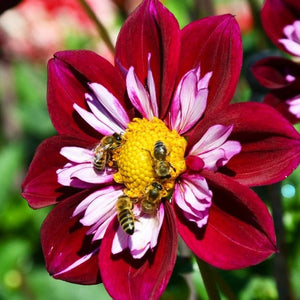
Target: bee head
157 186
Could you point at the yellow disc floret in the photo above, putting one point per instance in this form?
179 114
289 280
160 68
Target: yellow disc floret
136 160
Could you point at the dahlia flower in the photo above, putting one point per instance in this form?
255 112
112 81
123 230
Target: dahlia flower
281 75
163 106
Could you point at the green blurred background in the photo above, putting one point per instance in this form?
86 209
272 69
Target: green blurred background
29 35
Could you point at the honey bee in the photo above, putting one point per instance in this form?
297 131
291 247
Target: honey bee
102 152
125 215
161 166
152 197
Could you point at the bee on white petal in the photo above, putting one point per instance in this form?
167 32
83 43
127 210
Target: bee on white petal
103 151
124 208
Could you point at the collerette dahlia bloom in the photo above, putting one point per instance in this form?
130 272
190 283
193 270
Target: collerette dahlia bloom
281 75
170 87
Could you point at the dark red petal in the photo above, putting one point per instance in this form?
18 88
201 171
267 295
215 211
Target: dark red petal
278 98
271 72
284 12
151 28
215 44
40 187
95 69
270 144
194 163
69 73
240 230
64 241
294 6
146 278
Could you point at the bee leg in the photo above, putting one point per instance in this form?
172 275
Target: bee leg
172 167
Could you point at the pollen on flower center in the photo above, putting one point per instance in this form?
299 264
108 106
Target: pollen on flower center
137 164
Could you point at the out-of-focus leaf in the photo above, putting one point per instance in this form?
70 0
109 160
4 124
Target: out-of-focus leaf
177 289
180 10
10 164
184 264
30 83
198 283
13 253
295 272
76 40
260 289
45 287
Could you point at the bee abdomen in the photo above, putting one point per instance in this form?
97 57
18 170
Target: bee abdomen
126 221
99 165
160 150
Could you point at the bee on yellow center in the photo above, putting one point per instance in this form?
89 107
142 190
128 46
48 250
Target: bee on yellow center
148 158
149 153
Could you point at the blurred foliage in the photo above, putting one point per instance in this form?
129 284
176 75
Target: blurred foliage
25 123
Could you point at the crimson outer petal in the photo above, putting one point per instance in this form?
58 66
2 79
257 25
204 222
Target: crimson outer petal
128 279
151 28
278 98
239 232
285 12
215 43
271 72
68 75
270 144
40 186
64 241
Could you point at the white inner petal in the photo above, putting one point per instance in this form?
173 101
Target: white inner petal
145 236
189 101
214 148
292 40
194 198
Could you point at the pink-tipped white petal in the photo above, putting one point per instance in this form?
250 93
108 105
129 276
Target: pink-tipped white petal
65 178
145 235
82 175
105 126
99 228
294 105
151 88
88 174
219 157
293 31
101 207
83 205
138 95
110 124
214 149
189 101
194 197
77 154
291 46
203 83
292 42
111 104
290 78
214 137
98 210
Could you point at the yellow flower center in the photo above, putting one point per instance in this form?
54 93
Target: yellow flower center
139 165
